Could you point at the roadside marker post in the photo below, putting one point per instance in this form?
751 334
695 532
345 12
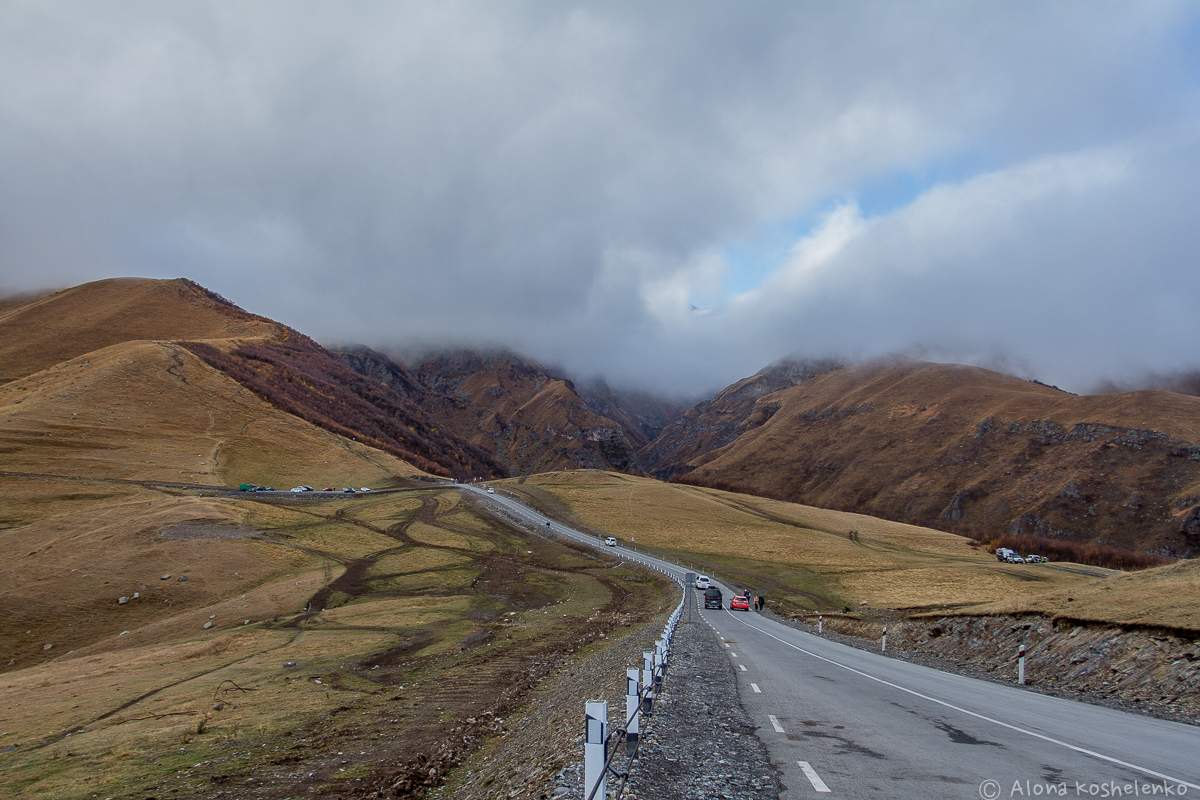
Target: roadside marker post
632 687
883 641
1021 665
820 625
595 756
648 681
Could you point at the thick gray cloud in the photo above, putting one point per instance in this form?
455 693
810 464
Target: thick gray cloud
567 179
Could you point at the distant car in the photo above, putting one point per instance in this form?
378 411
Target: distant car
702 582
1003 553
301 489
610 541
739 603
348 490
1014 558
365 489
712 597
329 489
265 489
491 490
1034 558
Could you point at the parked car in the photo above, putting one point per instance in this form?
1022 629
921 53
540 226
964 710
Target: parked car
301 489
610 541
247 487
365 489
1003 553
1014 558
329 489
702 582
348 490
1034 558
712 597
491 490
739 603
265 489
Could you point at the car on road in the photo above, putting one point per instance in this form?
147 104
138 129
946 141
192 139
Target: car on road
265 489
739 603
1003 553
702 582
301 489
491 490
348 490
1014 558
365 489
329 489
1034 558
610 541
712 597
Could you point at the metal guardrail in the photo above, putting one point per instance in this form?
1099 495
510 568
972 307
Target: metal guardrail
600 746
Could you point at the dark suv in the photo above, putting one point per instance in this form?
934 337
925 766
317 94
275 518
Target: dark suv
712 597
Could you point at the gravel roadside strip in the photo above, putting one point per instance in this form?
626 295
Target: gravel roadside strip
699 743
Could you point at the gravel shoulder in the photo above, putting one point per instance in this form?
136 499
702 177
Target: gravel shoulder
699 743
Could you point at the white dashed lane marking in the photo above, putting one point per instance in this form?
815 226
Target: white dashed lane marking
775 723
757 690
742 667
812 776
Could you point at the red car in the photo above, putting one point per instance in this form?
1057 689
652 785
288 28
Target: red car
739 603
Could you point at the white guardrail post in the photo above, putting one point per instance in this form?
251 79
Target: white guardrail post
595 755
883 641
648 681
820 625
633 687
1021 665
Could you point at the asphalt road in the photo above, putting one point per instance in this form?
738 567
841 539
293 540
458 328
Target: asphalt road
843 722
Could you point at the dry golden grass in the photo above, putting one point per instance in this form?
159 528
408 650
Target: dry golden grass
153 411
429 534
800 556
1166 597
51 328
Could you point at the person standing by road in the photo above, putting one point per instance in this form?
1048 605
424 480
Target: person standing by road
762 602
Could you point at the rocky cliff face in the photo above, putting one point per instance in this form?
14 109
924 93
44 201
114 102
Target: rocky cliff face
524 415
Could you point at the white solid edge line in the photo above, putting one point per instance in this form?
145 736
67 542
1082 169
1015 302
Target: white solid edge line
757 690
976 714
775 723
812 776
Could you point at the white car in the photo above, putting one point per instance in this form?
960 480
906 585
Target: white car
365 489
301 489
702 582
610 541
1034 558
491 490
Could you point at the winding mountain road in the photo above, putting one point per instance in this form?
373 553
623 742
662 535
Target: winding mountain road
844 722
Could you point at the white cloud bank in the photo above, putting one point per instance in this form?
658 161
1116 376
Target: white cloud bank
560 178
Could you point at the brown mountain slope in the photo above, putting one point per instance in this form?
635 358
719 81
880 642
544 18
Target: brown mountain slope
59 326
153 411
275 362
974 451
525 416
717 422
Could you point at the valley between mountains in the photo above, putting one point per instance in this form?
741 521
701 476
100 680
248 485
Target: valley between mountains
168 635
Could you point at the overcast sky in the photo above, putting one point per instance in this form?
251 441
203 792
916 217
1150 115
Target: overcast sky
666 194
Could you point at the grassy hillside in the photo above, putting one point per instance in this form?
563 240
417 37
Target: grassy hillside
39 332
801 557
153 411
424 617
